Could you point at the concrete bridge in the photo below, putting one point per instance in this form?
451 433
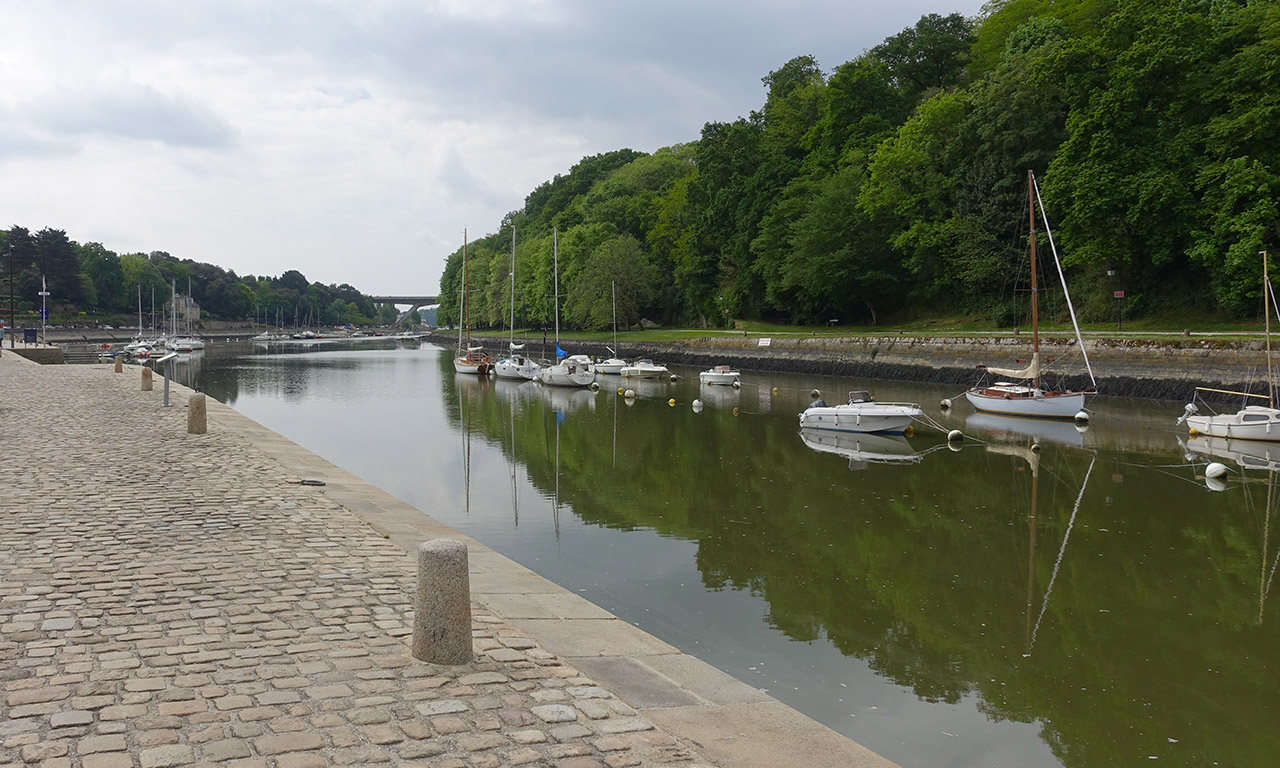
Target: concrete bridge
414 302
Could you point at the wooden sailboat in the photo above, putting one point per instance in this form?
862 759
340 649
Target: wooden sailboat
1251 422
469 359
1024 394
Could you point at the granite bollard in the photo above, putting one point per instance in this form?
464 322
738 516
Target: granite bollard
119 364
196 422
146 379
442 608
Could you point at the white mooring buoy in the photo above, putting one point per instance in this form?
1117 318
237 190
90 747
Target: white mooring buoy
1215 469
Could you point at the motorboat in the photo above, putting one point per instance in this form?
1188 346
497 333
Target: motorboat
611 367
721 374
644 369
861 414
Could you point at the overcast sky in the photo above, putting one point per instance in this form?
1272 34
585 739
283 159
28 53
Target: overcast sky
353 140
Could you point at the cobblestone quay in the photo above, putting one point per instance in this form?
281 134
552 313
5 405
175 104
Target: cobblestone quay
169 599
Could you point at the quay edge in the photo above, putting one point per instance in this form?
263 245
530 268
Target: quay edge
1166 369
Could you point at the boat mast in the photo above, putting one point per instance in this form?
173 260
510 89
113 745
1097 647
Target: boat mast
1035 318
555 259
613 291
462 302
1266 314
512 342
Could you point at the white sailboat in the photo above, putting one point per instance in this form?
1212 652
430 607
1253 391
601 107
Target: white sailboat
516 365
614 365
183 340
1024 393
572 371
469 359
1251 422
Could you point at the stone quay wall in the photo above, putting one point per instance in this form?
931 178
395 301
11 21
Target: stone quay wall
1166 369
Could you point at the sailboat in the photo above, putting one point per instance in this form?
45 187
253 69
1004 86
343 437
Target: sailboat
615 364
575 370
516 365
183 340
469 359
1026 395
1251 422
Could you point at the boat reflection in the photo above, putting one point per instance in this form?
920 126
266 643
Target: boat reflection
1249 454
567 399
862 448
1013 428
720 397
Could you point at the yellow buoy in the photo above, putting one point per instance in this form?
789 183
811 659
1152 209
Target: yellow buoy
619 390
672 401
1193 432
775 390
909 431
735 411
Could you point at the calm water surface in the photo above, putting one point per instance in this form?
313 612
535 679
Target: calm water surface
1095 604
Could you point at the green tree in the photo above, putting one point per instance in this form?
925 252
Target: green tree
103 268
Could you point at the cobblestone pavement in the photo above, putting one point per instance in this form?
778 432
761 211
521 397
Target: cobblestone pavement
172 600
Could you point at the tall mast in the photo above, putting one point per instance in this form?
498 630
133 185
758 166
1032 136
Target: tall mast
512 341
555 259
1267 298
613 291
465 329
1035 317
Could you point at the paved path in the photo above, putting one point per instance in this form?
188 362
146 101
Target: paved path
171 600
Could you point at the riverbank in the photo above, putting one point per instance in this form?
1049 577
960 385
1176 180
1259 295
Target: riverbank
171 599
1165 368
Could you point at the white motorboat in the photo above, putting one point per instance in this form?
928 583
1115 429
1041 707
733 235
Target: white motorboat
1025 394
644 369
611 367
860 414
721 374
1251 422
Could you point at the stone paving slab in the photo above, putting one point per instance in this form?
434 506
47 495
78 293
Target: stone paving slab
171 600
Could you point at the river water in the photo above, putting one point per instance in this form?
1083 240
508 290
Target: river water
1095 603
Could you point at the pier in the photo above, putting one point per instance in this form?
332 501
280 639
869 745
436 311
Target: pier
231 599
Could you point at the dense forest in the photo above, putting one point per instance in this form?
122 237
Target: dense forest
896 185
89 284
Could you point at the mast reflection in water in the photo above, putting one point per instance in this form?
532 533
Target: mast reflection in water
923 607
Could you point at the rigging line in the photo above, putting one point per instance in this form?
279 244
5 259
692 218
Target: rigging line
1061 552
1063 278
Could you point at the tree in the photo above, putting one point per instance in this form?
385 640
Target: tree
102 267
930 55
617 266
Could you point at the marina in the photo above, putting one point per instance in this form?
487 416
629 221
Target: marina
908 596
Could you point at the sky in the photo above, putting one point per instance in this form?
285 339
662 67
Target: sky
355 140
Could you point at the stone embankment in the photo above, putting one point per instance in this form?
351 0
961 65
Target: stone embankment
177 599
1165 369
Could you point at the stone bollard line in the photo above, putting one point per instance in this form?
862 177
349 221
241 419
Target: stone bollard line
196 422
442 609
146 379
119 364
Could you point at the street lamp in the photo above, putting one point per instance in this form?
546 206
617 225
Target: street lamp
11 326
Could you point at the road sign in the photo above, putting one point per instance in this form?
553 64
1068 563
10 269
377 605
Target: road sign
1119 294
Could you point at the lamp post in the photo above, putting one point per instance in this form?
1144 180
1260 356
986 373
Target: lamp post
11 326
44 312
1119 297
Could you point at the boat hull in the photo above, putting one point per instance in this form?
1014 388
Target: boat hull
720 378
611 367
476 367
516 369
1026 402
891 418
1253 422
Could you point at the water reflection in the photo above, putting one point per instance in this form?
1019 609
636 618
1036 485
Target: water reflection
1091 604
862 449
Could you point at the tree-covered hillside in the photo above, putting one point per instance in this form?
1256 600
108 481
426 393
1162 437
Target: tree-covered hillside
91 281
897 183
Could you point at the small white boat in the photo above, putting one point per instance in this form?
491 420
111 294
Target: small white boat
1010 399
574 371
1251 422
860 414
611 367
644 369
517 366
720 374
474 361
184 344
